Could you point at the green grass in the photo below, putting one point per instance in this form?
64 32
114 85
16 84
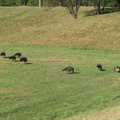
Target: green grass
40 90
52 40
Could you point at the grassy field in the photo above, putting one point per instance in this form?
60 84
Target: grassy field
39 89
30 25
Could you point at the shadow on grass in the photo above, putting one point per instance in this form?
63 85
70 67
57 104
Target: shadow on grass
76 73
118 71
73 73
111 10
106 11
17 61
7 57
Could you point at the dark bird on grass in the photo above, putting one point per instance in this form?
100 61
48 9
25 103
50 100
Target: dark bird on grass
18 54
12 58
23 59
3 54
117 68
69 69
99 66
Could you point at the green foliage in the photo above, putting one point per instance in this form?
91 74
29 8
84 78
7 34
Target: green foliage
48 3
10 2
33 3
52 3
2 2
112 4
86 2
24 2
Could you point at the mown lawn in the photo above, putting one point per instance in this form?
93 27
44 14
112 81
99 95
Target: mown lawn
40 90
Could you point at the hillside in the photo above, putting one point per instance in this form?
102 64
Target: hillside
52 40
32 25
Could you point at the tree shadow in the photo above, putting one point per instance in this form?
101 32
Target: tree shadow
17 61
111 10
106 11
73 73
76 73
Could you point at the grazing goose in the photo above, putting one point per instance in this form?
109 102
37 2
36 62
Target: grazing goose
69 69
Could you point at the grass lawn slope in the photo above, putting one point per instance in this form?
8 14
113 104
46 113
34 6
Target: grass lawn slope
30 25
52 40
40 90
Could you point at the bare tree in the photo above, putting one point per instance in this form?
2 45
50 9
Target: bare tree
118 3
24 2
104 3
99 6
61 2
73 7
96 4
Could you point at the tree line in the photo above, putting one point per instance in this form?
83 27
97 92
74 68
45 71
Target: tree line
71 5
110 3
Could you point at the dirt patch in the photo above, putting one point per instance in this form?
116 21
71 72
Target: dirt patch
5 98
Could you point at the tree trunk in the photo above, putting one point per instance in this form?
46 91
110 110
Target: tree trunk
118 4
73 12
61 2
73 7
103 9
97 8
24 2
74 16
97 11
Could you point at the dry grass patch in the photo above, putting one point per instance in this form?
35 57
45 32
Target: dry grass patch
31 25
106 114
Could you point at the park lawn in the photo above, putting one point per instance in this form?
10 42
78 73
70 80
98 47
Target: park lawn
52 40
40 90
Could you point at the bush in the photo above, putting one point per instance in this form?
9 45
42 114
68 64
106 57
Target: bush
10 2
87 3
33 3
112 4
